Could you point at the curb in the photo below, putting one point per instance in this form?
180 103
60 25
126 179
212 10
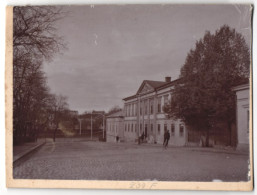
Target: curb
26 154
219 151
195 149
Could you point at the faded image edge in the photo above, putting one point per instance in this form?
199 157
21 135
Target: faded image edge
142 96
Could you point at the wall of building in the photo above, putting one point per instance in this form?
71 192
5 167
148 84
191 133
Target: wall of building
114 127
243 116
144 113
130 130
177 129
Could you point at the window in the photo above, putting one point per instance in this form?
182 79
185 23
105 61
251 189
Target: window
151 128
128 127
165 127
127 110
151 106
132 113
159 104
159 129
141 108
146 107
172 130
166 99
135 110
140 128
132 125
181 130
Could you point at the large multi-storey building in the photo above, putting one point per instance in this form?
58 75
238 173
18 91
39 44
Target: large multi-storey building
143 114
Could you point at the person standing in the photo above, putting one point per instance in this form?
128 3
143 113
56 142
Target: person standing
166 139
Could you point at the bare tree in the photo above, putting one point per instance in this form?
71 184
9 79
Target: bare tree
59 111
114 109
34 30
34 40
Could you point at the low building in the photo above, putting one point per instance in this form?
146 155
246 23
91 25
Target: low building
115 127
243 115
143 114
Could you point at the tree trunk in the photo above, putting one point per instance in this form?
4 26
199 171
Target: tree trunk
230 133
207 137
55 130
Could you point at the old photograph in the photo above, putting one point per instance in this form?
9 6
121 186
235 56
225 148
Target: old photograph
157 92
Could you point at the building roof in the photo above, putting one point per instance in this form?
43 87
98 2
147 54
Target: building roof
117 114
241 87
156 85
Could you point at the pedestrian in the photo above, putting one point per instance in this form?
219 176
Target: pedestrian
166 139
143 137
117 139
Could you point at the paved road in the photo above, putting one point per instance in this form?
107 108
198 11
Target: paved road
122 161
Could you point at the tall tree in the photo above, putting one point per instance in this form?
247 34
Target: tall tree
203 95
34 30
34 40
59 112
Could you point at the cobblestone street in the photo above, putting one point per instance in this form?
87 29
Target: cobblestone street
122 161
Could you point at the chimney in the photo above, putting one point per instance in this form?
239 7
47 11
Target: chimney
167 79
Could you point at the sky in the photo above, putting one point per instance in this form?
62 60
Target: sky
111 49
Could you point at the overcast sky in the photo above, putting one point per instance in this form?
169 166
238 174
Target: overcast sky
113 48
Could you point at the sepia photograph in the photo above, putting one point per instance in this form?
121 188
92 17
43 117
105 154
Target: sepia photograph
145 93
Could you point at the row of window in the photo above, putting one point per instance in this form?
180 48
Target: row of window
172 129
112 128
133 128
131 109
146 106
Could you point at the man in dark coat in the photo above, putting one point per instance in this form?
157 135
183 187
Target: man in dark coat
166 139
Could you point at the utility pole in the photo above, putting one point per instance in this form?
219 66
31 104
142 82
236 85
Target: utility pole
103 126
139 114
80 125
91 126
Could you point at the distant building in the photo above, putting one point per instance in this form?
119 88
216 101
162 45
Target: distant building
143 114
243 115
74 113
115 127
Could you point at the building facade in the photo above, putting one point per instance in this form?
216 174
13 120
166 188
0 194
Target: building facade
143 114
243 115
115 127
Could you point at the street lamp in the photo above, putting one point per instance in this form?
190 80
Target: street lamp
91 126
